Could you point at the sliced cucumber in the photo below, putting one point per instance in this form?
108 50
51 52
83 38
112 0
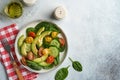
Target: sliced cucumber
54 51
55 42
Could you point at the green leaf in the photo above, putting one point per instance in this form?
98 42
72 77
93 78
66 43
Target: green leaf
76 65
62 73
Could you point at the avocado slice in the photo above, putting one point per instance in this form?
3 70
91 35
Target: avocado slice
40 30
38 41
20 40
44 64
23 49
41 59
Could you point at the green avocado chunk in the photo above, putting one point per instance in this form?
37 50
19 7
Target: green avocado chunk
44 63
38 41
24 49
20 40
41 59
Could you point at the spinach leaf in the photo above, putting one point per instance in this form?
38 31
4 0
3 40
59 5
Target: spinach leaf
48 26
76 65
62 73
33 65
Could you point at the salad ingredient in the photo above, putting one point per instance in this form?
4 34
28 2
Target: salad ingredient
23 49
40 51
23 61
62 41
29 39
33 65
30 56
54 34
40 41
31 34
54 51
50 59
20 40
48 39
45 51
31 29
48 26
41 59
62 73
55 42
44 63
40 30
76 65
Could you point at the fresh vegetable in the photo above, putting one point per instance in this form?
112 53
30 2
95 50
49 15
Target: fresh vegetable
30 56
31 29
48 26
29 40
62 73
31 34
76 65
55 42
50 59
33 65
48 39
62 41
54 34
20 40
54 51
40 31
40 51
23 61
44 64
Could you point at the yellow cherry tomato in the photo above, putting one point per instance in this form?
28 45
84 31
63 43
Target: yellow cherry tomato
54 34
29 40
48 39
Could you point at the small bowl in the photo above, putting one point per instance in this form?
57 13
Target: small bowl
14 10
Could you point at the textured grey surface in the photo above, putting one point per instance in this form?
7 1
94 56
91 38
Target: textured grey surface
93 32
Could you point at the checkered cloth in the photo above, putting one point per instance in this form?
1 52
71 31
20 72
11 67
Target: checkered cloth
10 32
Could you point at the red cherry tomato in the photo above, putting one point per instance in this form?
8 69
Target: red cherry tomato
62 41
32 34
50 59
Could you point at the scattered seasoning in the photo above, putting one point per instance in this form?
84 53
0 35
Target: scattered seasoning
62 73
76 65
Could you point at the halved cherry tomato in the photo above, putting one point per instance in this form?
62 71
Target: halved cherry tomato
23 61
50 59
32 34
62 41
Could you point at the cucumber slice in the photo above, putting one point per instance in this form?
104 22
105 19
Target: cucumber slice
54 51
55 42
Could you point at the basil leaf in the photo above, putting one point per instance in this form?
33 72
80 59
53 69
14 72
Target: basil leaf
62 73
76 65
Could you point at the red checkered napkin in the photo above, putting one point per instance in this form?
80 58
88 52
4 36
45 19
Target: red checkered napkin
10 32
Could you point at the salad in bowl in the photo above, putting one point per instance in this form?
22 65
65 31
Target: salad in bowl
41 46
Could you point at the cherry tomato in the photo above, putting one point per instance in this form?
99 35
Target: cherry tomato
32 34
23 61
62 41
50 59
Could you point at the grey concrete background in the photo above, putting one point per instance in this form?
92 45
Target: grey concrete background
92 28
